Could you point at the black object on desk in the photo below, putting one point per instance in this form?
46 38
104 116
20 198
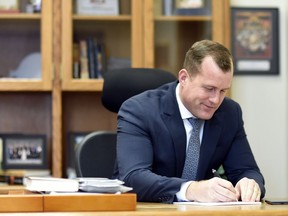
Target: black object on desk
277 201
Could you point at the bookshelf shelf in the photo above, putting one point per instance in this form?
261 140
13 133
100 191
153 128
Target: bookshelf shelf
93 85
10 84
103 18
20 16
183 18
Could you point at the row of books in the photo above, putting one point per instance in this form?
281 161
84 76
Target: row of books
89 59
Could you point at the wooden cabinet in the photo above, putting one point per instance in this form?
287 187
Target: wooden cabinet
58 104
26 104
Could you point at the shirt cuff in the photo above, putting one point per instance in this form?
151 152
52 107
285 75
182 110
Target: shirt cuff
181 195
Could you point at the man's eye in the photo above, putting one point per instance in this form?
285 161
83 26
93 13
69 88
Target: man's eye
209 88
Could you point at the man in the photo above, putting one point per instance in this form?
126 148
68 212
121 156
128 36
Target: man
154 132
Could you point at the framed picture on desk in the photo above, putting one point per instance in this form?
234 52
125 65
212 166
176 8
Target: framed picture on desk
21 151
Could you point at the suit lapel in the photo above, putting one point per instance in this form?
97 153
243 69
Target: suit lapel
174 123
211 135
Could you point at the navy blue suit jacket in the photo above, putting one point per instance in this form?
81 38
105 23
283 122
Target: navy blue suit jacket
151 145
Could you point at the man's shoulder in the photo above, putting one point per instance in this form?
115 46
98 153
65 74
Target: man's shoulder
229 102
229 107
151 99
155 94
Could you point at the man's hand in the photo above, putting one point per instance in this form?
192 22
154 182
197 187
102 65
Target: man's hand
212 190
248 190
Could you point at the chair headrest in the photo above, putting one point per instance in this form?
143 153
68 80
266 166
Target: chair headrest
121 84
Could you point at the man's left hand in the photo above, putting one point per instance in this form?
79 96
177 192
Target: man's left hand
248 190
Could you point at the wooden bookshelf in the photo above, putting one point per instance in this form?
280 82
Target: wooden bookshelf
64 104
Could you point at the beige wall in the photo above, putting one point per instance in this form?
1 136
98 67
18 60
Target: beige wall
264 103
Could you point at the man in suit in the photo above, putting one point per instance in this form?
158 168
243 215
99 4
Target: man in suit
154 132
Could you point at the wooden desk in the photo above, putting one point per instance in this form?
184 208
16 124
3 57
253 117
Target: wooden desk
150 209
159 209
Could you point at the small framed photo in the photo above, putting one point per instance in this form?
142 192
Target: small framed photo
255 41
24 151
9 6
189 3
97 7
193 7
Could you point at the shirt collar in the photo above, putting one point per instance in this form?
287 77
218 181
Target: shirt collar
183 111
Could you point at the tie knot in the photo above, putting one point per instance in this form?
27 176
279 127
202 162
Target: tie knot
195 122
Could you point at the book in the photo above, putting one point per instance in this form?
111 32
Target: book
84 71
76 61
50 184
92 65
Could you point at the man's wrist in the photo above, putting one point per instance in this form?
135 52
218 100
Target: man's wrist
181 195
190 191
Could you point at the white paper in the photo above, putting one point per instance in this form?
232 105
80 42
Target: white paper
217 203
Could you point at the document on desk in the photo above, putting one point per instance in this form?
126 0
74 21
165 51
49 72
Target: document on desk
217 203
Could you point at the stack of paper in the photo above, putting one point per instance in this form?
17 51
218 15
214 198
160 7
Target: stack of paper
102 185
94 185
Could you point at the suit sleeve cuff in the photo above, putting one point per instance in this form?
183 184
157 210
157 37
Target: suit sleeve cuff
181 195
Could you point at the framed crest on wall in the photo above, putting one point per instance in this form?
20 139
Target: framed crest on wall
255 41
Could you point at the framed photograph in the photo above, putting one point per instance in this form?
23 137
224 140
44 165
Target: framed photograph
74 139
255 41
189 3
193 7
97 7
24 151
9 6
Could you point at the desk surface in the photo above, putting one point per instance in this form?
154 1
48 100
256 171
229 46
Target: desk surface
158 209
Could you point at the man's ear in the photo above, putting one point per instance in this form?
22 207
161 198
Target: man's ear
183 76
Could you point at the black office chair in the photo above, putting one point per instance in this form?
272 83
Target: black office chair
96 154
121 84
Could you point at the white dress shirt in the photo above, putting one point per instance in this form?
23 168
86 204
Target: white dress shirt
185 114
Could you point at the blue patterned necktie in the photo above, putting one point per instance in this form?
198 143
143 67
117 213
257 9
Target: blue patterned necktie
192 153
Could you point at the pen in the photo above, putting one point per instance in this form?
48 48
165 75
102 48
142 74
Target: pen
218 176
215 173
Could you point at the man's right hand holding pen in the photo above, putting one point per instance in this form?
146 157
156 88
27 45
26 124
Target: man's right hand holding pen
220 190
